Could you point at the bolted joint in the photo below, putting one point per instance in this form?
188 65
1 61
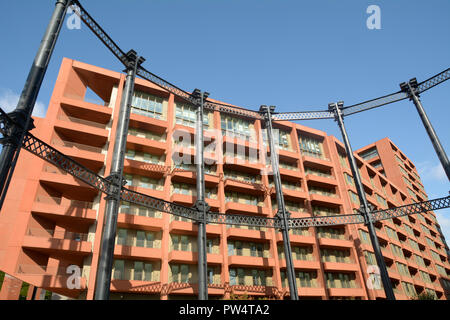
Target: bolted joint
131 59
266 111
115 184
198 96
365 215
202 208
280 216
410 88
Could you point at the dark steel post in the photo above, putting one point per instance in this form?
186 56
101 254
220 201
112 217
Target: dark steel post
365 210
201 205
410 88
106 258
282 214
24 109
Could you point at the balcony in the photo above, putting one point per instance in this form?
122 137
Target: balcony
146 145
87 155
65 183
340 266
318 161
297 239
82 133
242 208
136 253
335 243
250 261
325 198
54 242
346 292
78 108
247 234
244 186
62 208
177 256
188 174
301 264
49 278
323 181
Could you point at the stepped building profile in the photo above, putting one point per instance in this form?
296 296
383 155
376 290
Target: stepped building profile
51 223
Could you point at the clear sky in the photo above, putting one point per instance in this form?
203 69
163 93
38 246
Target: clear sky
296 55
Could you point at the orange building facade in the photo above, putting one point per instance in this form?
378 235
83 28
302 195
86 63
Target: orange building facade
50 224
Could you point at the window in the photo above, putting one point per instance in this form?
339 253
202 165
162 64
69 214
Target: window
187 115
282 137
331 233
370 258
311 146
180 273
381 200
409 289
369 154
398 252
349 179
340 280
147 105
333 255
328 192
354 197
235 127
364 235
403 269
325 211
391 233
119 270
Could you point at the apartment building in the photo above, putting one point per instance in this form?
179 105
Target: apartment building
51 223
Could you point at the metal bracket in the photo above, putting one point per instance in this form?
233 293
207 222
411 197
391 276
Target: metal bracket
280 217
410 88
202 208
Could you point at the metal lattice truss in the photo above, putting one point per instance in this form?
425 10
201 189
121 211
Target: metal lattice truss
410 209
378 102
53 156
210 105
303 115
433 81
98 31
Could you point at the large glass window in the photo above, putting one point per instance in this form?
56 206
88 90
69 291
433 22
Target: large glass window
311 146
187 115
236 127
147 105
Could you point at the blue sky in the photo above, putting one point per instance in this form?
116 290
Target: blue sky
296 55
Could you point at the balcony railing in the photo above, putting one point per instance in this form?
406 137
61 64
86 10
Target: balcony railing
46 270
79 146
68 202
64 117
48 233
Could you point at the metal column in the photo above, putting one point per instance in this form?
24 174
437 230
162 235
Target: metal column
282 214
106 258
201 205
22 114
364 209
410 88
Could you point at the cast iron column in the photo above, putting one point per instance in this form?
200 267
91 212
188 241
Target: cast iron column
410 88
201 205
24 109
364 209
106 257
282 214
